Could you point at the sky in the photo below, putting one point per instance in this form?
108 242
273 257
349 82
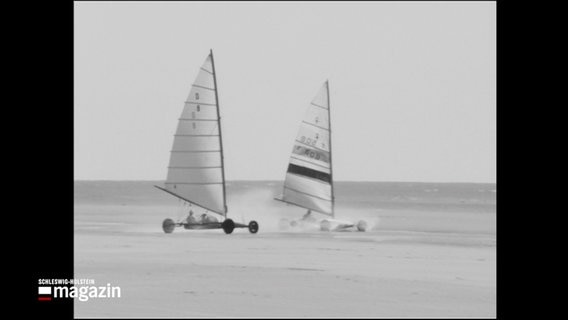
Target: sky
412 86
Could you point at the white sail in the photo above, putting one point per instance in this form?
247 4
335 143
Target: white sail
195 171
309 182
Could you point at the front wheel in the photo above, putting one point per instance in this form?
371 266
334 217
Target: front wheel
362 225
168 225
253 227
228 226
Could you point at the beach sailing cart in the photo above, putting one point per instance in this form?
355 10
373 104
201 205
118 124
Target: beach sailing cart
309 179
196 171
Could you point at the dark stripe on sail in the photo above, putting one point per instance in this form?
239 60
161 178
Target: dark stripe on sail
303 171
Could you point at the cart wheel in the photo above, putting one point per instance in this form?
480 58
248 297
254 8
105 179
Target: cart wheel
168 225
362 225
253 226
228 226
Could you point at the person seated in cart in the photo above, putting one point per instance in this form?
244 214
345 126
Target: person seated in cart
204 218
191 219
207 218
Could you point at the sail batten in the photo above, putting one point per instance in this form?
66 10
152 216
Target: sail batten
317 105
309 181
210 72
196 170
202 103
187 119
202 87
315 125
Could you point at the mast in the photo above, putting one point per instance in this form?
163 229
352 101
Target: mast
330 153
220 135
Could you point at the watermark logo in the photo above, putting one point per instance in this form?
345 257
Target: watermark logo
80 289
44 293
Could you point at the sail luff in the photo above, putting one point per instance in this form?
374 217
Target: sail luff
330 150
220 134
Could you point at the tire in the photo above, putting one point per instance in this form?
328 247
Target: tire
228 226
168 225
253 226
325 225
362 225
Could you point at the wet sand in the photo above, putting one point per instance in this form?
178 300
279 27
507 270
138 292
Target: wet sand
411 264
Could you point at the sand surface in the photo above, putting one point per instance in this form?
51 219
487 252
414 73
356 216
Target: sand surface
413 263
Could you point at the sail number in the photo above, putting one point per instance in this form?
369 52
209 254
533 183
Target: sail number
311 142
311 153
308 152
308 141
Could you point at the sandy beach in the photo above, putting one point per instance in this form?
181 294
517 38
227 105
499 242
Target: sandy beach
430 260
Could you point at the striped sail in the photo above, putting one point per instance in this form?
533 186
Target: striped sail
309 182
195 171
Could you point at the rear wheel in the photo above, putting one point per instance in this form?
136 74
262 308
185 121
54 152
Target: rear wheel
325 225
168 225
362 225
253 226
228 226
